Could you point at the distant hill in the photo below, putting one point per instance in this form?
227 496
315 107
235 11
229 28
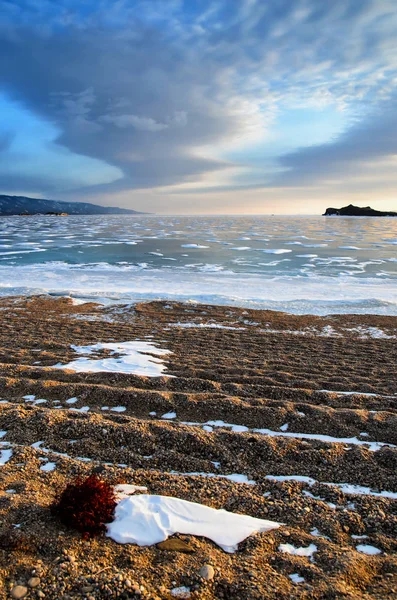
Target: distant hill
357 211
22 205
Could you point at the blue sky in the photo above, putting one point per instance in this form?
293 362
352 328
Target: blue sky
245 106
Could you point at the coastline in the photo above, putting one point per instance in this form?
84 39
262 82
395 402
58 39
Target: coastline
242 383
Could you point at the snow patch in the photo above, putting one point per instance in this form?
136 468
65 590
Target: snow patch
290 549
131 357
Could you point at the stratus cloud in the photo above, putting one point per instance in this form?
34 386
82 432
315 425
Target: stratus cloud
160 91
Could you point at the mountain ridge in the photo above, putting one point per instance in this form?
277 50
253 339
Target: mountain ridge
24 205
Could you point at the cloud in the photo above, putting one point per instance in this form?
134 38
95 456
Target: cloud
140 123
368 142
161 92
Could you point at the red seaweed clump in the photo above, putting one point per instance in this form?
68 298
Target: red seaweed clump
86 505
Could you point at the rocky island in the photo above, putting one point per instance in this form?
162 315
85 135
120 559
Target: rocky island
358 211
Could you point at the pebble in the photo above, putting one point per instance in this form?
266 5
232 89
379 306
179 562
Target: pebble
19 591
176 545
207 572
34 582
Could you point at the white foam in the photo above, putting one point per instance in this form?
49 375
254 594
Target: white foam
193 246
146 520
118 409
132 357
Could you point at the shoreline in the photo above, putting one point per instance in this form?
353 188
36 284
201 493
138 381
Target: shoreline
284 417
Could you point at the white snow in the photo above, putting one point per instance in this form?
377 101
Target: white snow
372 446
71 401
146 520
236 477
130 357
296 578
49 466
235 428
5 456
205 326
182 592
290 549
169 415
367 549
346 488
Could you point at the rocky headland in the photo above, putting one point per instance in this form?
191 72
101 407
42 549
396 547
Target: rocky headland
358 211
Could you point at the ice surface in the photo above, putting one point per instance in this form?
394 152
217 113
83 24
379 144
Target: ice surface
146 520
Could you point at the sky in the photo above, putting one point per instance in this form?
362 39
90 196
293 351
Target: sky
200 106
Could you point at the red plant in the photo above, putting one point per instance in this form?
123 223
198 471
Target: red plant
86 505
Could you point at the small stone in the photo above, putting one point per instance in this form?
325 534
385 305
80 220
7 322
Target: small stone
19 591
87 588
40 594
207 572
34 582
175 545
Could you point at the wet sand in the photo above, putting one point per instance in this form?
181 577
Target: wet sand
247 389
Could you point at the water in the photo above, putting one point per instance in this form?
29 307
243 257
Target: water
297 264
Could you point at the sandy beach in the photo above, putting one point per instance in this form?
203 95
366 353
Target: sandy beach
281 417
